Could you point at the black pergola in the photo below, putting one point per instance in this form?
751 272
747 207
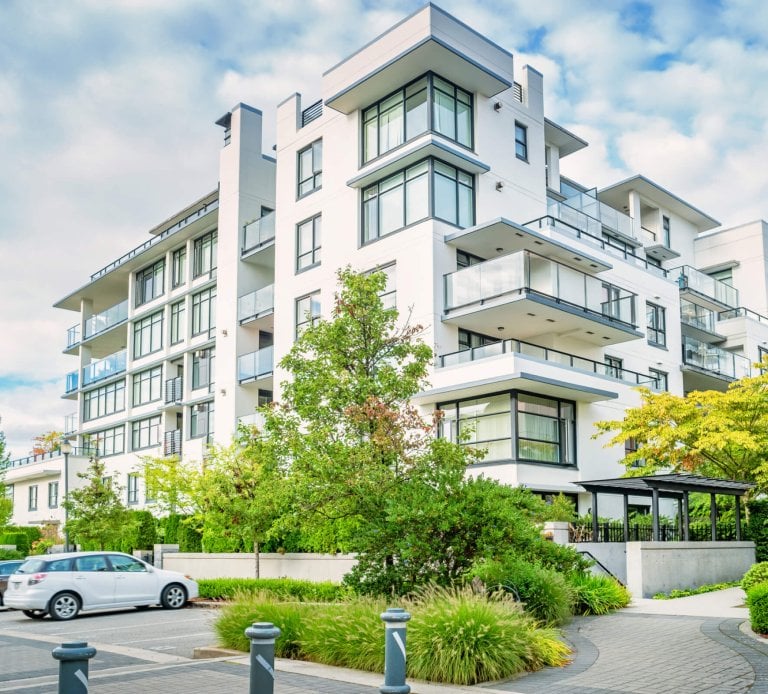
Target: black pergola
673 486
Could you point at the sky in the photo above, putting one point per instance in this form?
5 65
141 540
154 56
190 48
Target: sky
107 111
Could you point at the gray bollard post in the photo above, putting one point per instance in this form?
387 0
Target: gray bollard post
394 651
73 660
262 636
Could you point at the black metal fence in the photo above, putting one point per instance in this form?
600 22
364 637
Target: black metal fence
613 531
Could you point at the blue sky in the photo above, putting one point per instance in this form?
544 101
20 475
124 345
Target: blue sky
107 111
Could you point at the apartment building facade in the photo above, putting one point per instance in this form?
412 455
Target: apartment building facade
429 157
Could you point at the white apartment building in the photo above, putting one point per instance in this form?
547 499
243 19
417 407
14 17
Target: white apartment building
430 157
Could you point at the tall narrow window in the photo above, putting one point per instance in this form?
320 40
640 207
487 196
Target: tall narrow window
308 243
133 488
521 141
614 367
53 494
177 322
150 283
33 497
179 269
310 168
204 257
660 379
203 368
204 311
656 325
201 419
388 295
666 230
307 312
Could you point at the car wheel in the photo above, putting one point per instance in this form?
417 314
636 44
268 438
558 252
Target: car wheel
35 614
64 606
173 597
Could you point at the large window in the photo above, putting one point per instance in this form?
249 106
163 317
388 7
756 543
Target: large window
514 426
145 433
203 371
204 257
103 401
148 335
204 311
307 312
179 269
201 419
310 167
106 442
656 325
308 243
177 322
430 188
150 282
428 103
521 141
147 386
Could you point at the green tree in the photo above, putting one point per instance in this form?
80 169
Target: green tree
171 484
96 516
719 434
6 503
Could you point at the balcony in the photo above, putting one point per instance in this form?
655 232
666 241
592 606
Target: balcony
256 419
742 312
110 366
259 235
539 296
36 466
654 247
172 442
72 383
604 216
705 290
255 366
708 366
105 320
259 304
70 423
173 390
699 322
73 336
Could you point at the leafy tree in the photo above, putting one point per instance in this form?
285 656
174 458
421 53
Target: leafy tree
46 442
719 434
96 516
6 503
171 484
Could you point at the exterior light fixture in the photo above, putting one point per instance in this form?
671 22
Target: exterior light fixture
499 185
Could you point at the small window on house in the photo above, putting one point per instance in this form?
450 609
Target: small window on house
521 141
310 168
308 242
307 312
656 327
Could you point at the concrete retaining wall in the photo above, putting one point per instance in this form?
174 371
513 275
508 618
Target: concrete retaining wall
659 567
612 555
310 567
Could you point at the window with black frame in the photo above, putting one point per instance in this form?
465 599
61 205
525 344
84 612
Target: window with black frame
150 282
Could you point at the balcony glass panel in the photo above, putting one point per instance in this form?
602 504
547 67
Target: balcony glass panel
711 358
70 423
259 232
104 368
697 316
742 312
690 278
72 382
255 365
606 215
524 271
73 335
106 319
255 303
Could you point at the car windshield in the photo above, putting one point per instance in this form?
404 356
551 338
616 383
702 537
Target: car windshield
31 566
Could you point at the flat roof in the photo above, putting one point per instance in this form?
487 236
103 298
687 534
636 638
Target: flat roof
670 485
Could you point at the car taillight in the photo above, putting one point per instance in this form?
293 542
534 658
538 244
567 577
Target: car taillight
34 579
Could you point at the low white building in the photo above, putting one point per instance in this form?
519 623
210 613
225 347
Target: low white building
430 157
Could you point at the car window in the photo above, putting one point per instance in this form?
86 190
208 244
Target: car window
123 563
59 565
8 567
95 562
32 566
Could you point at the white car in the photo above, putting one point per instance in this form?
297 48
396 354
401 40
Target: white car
61 585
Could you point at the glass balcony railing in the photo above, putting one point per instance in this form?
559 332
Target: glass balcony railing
525 271
714 359
697 316
256 303
105 320
554 356
104 368
742 312
691 278
70 423
258 232
72 382
255 365
256 419
73 336
604 214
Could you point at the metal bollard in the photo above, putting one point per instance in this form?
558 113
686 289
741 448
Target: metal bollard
73 660
262 636
394 651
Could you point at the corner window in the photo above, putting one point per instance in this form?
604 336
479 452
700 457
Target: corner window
429 188
104 401
521 141
150 283
308 243
656 325
204 256
310 168
429 103
307 312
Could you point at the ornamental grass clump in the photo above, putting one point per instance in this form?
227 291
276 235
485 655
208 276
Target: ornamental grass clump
594 594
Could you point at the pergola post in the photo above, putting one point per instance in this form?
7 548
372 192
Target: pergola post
626 517
738 517
595 530
713 515
655 513
686 519
680 518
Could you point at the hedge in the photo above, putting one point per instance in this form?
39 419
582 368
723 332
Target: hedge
757 602
282 588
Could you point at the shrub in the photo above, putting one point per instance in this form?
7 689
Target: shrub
544 592
757 527
170 526
758 573
146 530
757 601
284 588
597 594
21 540
686 592
189 539
10 554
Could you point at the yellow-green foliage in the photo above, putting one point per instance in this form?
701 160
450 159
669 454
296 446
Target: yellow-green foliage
597 594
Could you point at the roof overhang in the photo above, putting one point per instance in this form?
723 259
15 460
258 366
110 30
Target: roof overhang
566 142
669 486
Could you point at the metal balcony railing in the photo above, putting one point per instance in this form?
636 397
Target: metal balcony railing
741 312
525 271
104 368
691 278
172 442
73 336
256 303
255 364
528 349
258 232
714 359
174 390
105 320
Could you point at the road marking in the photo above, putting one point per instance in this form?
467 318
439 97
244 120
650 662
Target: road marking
127 626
